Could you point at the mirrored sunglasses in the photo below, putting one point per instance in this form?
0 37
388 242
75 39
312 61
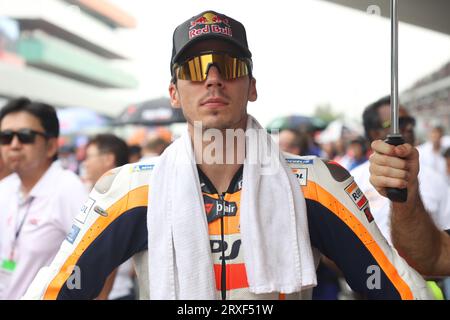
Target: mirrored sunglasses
196 68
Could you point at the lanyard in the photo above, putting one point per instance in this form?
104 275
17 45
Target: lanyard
19 229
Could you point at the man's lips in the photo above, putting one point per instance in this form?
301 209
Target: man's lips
14 157
214 103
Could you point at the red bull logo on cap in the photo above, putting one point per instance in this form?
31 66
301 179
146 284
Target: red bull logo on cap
209 18
209 23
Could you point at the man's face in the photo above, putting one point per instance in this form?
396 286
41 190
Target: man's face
97 163
406 129
24 158
356 150
436 136
217 103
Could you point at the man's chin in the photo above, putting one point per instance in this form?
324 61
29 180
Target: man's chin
14 167
215 122
221 122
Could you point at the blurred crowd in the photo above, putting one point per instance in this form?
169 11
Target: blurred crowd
43 181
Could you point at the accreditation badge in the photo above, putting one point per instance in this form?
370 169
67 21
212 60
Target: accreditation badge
7 268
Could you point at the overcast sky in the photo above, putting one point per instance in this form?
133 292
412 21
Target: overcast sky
305 52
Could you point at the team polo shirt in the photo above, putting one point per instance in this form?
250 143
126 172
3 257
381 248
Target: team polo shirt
32 228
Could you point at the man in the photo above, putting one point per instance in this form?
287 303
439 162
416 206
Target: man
135 153
293 141
103 153
37 208
238 228
376 121
414 234
154 146
357 149
431 151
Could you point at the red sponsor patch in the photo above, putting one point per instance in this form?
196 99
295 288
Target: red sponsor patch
362 202
356 195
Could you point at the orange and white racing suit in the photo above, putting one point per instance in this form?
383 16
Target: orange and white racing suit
111 228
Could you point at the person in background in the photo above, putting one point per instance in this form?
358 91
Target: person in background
68 158
40 206
154 146
104 152
357 149
135 153
430 153
433 188
293 141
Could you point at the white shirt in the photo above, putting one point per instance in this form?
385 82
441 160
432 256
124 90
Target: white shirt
47 216
433 190
9 181
448 199
434 160
123 283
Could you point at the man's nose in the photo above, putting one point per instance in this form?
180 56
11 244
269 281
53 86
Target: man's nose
15 142
214 78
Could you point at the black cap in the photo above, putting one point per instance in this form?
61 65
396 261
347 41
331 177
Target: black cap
208 25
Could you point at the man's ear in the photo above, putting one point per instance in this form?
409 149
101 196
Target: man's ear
174 96
52 149
109 160
252 92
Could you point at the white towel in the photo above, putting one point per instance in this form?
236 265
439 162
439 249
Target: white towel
274 228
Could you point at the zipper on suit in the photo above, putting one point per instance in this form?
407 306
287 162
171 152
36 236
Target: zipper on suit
223 276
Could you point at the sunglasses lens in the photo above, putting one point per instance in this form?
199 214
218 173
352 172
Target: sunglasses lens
196 68
26 137
6 137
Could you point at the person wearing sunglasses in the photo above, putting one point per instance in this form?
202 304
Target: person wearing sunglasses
433 187
222 214
38 206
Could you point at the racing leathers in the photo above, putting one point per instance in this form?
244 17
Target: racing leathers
111 228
